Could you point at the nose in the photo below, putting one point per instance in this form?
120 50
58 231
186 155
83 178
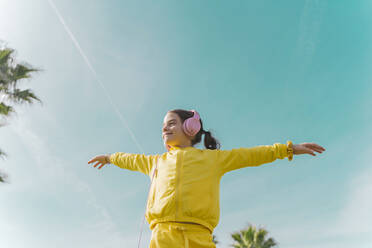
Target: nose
165 128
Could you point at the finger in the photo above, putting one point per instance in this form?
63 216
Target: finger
309 151
101 166
318 147
92 160
97 164
314 147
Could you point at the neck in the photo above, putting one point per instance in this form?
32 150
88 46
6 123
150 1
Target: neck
188 144
183 146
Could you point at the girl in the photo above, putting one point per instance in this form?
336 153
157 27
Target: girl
183 203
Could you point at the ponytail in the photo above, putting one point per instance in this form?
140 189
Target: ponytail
210 142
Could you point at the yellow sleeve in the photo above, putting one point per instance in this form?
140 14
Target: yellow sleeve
135 162
253 156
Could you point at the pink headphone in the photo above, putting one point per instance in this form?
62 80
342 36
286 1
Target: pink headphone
191 126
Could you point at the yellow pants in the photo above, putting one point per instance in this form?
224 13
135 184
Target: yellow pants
177 235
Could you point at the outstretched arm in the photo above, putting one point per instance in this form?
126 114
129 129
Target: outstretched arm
237 158
131 161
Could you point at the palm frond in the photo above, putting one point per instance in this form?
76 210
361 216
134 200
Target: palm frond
236 236
5 109
4 74
269 243
10 73
21 96
3 177
250 237
5 56
4 78
21 71
214 239
260 236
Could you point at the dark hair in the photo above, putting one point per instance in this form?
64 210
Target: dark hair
209 141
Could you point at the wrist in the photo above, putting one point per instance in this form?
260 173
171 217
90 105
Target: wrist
290 150
108 158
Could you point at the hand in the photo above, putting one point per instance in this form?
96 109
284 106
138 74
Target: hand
102 159
308 148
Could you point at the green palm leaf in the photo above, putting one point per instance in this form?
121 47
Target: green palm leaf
250 237
22 96
5 55
22 71
10 74
5 109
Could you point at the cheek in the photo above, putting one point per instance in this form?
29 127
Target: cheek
181 134
175 129
176 133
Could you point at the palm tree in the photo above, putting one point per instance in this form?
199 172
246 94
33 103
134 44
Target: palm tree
11 73
252 238
215 239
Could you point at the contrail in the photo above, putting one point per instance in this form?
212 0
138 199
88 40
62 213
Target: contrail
87 61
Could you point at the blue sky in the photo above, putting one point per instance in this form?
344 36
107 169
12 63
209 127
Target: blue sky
258 72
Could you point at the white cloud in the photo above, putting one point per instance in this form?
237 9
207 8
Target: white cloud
356 216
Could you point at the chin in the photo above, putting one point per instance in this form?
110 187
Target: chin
169 142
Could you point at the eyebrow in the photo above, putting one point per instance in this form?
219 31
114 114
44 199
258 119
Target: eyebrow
171 120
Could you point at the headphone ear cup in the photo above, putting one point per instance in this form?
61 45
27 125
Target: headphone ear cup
191 126
185 127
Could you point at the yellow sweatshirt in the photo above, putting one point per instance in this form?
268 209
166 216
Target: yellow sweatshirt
186 183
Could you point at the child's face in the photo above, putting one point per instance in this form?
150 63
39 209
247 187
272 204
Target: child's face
172 131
